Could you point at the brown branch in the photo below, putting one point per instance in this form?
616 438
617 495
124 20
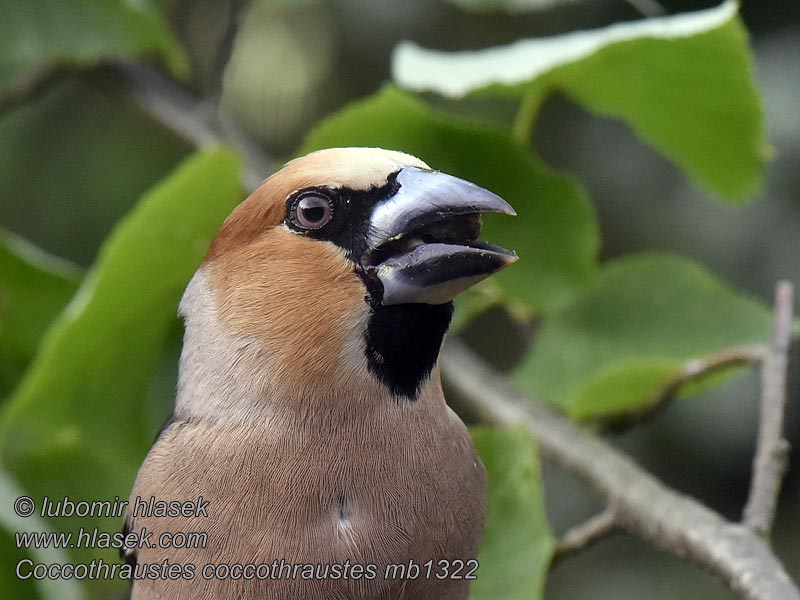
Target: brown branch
236 13
772 449
32 85
643 505
692 370
193 120
587 533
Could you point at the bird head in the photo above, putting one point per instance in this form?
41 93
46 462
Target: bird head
342 267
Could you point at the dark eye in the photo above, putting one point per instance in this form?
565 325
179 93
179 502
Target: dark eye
312 212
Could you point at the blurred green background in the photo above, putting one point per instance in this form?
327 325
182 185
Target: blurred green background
76 156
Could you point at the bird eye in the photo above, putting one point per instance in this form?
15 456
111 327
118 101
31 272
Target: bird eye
312 212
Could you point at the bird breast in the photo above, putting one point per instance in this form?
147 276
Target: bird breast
401 484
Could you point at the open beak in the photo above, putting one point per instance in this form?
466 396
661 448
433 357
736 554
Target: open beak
423 241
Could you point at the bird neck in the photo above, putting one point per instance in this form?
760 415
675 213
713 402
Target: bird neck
390 359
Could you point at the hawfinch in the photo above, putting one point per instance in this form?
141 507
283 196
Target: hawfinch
310 449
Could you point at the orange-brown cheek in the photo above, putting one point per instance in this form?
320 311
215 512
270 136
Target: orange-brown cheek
298 297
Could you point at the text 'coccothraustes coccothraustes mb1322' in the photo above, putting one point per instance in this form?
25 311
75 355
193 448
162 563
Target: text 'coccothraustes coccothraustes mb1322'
310 440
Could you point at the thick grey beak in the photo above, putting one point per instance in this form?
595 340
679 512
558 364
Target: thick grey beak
422 241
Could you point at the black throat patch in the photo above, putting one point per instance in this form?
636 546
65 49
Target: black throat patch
403 343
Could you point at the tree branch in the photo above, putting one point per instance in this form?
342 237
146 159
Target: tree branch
30 85
692 370
772 449
236 12
587 533
193 120
643 505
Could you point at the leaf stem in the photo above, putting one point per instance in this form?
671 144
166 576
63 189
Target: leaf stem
526 115
649 8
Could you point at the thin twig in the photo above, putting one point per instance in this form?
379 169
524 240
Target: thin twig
675 523
772 449
693 370
195 121
587 533
236 13
32 84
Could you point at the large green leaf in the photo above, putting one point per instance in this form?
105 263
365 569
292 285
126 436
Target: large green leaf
34 288
77 424
646 316
11 554
10 557
518 544
37 34
683 82
555 233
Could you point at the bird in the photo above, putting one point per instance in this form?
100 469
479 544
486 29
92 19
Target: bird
310 450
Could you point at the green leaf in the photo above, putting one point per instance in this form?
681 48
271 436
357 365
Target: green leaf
517 544
683 82
77 424
39 34
474 301
646 316
480 298
34 288
624 386
11 555
555 233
